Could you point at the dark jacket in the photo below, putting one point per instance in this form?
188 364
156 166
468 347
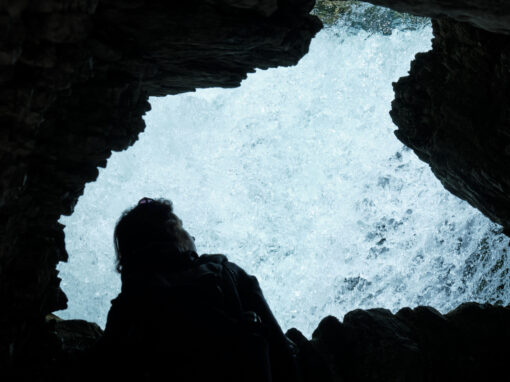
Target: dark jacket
191 325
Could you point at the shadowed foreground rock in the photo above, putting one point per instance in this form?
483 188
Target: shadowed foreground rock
417 345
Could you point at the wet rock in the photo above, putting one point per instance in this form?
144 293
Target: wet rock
312 364
491 15
467 344
452 110
75 335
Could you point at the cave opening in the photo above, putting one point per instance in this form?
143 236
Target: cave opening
297 177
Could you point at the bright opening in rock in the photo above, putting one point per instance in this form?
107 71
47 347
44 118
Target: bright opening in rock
297 177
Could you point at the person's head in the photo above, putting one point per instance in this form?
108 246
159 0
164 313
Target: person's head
148 227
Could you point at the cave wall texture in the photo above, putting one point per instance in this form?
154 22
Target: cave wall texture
452 109
464 137
75 77
469 343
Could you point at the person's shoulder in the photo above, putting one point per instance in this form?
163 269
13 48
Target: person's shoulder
212 258
221 262
218 259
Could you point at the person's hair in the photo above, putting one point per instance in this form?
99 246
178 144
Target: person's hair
150 222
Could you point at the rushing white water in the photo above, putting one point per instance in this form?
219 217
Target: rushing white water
298 178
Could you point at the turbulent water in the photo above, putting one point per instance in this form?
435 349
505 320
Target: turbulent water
298 178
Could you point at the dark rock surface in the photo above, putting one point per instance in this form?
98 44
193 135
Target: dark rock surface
491 15
75 78
75 335
452 110
468 344
64 356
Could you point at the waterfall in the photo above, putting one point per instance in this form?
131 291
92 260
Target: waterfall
297 177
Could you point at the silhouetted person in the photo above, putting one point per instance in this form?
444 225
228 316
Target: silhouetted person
185 317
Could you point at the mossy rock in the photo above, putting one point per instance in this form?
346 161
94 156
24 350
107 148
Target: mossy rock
329 11
361 16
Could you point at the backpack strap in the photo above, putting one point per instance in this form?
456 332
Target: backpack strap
227 281
232 288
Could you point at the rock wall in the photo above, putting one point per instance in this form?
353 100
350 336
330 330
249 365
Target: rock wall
420 345
469 343
453 111
75 77
453 108
490 15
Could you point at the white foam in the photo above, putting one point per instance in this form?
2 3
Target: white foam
298 178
